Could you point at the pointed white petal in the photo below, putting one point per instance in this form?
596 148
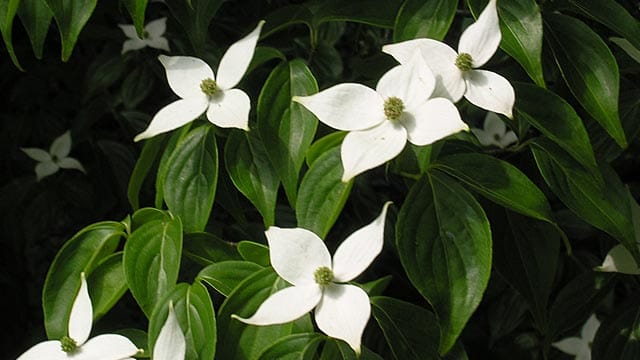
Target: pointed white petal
285 305
174 116
296 254
230 108
571 346
589 329
507 139
81 317
235 61
432 121
619 259
412 82
359 250
170 344
156 27
482 38
493 124
37 154
367 149
343 313
61 146
185 74
71 163
484 137
158 43
49 350
584 354
45 169
106 347
441 60
132 44
490 91
129 31
346 106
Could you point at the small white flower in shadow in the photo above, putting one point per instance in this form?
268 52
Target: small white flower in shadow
153 36
580 346
494 132
619 259
58 157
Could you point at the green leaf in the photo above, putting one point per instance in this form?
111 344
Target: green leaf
371 12
335 349
521 28
251 171
82 253
194 310
323 145
556 119
226 275
145 215
8 9
424 19
603 204
293 347
498 181
286 16
190 185
444 243
322 194
145 162
286 128
107 284
136 10
152 261
195 17
411 331
207 248
617 336
164 165
254 252
264 54
589 69
36 18
71 16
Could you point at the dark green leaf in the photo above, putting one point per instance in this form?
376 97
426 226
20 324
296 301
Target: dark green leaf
323 145
71 16
8 9
444 243
371 12
226 275
163 166
36 18
254 252
335 349
107 284
286 16
195 17
147 157
136 10
207 248
424 19
293 347
145 215
617 336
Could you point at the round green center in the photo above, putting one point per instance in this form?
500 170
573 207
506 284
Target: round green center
496 137
68 344
464 62
323 276
145 34
393 108
209 86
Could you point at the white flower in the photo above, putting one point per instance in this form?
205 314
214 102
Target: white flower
380 122
494 132
199 90
619 259
57 157
75 346
170 344
153 36
301 258
455 72
580 346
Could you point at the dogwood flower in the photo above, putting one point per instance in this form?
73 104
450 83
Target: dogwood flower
580 346
200 90
58 157
153 36
75 345
455 71
170 344
494 132
619 259
380 122
301 258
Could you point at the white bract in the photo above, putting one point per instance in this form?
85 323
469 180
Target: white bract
619 259
200 90
301 258
494 132
380 122
152 37
455 71
580 346
57 157
170 344
75 346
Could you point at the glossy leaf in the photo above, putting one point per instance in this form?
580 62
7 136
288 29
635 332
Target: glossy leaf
190 184
286 16
589 69
226 275
206 248
8 9
411 331
286 128
136 10
36 18
424 19
323 145
195 17
152 261
371 12
251 171
71 16
293 347
145 162
164 165
82 253
107 284
444 243
254 252
322 194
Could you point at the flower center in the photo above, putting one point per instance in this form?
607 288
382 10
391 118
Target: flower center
145 34
496 137
68 344
464 62
209 86
393 108
323 276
